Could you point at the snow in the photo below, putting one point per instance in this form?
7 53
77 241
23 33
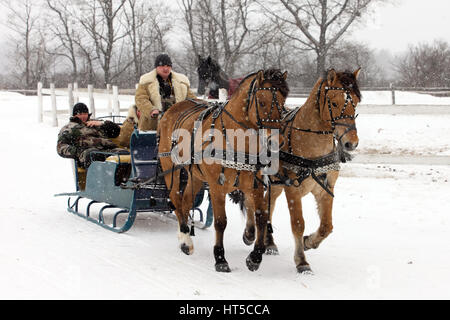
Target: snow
391 234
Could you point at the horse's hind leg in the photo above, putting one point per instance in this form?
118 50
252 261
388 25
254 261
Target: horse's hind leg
298 227
220 223
271 247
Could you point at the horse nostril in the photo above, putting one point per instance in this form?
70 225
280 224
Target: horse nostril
350 146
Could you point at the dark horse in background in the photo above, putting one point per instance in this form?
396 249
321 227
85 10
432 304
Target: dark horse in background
211 77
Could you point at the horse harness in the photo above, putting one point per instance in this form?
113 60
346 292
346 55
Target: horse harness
317 168
216 110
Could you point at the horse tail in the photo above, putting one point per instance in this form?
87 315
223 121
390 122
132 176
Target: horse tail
238 197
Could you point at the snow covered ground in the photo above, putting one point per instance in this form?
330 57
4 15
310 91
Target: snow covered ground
391 237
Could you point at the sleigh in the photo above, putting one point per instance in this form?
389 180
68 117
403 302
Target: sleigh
115 192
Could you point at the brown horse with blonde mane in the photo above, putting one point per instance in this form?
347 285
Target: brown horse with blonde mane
257 103
316 138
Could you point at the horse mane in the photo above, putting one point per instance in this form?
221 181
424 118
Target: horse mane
349 82
276 79
272 76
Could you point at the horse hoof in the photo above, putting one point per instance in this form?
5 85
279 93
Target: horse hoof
272 251
185 248
248 241
222 267
252 266
304 269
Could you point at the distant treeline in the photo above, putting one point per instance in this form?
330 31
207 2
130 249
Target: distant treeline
114 42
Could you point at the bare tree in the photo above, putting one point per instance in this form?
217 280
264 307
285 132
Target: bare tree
22 20
61 25
349 55
316 25
225 30
146 25
100 20
425 65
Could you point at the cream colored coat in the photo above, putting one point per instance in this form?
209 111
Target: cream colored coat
148 98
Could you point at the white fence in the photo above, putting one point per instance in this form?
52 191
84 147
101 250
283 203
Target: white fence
112 100
73 94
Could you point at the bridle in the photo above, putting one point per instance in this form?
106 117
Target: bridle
335 120
252 99
289 117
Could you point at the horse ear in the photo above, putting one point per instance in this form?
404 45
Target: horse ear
209 59
356 73
331 77
285 75
260 77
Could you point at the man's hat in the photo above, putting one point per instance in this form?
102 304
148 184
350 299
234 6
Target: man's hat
79 108
163 60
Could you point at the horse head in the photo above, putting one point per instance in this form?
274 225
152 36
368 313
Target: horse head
337 98
266 98
208 74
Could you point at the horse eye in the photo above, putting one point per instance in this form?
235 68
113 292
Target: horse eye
262 104
334 104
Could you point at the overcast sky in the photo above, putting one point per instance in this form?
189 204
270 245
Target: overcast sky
395 26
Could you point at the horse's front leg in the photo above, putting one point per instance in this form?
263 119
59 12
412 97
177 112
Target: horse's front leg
271 247
261 215
220 223
249 233
325 209
294 200
193 186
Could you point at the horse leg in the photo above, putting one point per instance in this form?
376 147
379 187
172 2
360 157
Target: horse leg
298 227
261 215
249 231
220 223
176 197
193 186
325 208
271 247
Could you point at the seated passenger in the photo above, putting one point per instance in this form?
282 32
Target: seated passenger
158 90
81 137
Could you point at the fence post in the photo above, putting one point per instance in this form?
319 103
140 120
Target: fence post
54 109
109 106
116 103
91 100
223 94
70 89
40 102
75 89
393 93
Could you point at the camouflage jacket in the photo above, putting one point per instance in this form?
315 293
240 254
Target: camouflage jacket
75 137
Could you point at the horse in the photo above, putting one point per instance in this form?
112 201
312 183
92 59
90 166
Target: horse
311 159
257 103
212 77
